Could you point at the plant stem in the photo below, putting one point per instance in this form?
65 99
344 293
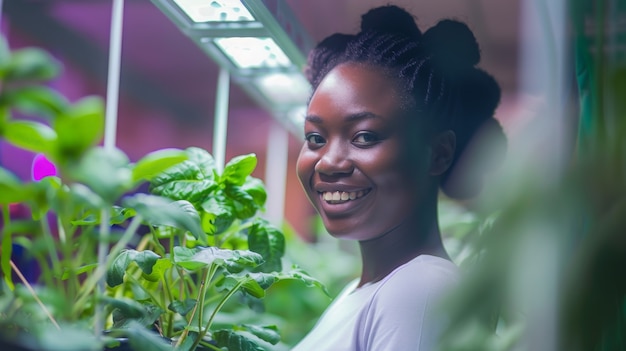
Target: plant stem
101 270
69 260
183 336
34 294
103 248
233 229
54 258
7 247
217 309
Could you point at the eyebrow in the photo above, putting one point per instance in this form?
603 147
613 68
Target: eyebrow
315 119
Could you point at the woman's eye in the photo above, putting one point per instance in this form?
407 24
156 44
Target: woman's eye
366 138
314 139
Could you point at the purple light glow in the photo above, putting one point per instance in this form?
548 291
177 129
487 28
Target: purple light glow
42 167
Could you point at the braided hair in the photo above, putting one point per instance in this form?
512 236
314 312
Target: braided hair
436 71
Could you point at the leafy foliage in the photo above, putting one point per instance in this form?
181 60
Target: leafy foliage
222 250
205 244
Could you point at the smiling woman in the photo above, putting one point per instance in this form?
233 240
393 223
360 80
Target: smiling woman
391 116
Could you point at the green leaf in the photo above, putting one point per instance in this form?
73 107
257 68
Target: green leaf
119 215
11 189
106 172
80 128
185 181
255 188
80 270
219 214
73 337
158 270
157 162
29 135
182 307
142 339
144 259
198 257
234 341
244 204
83 197
238 169
264 280
268 241
31 64
245 282
299 274
203 160
157 210
36 101
267 333
190 180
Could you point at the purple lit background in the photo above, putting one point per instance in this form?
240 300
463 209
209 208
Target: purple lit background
168 83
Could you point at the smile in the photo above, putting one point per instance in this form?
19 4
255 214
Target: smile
339 197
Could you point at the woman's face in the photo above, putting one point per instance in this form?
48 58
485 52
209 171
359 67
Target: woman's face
363 164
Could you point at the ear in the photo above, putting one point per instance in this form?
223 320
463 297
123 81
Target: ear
442 152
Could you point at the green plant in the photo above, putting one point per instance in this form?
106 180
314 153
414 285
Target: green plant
179 280
90 180
200 227
548 254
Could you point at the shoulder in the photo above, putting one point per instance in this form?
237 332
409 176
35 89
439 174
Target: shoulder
418 279
403 312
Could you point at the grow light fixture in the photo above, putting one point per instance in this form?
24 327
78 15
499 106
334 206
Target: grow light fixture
215 11
260 43
251 52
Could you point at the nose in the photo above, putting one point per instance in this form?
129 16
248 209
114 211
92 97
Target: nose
334 160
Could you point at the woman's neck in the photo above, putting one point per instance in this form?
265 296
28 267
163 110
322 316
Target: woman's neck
418 235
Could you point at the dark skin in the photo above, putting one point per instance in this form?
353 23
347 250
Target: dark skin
371 171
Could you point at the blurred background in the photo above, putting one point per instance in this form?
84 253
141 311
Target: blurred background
168 83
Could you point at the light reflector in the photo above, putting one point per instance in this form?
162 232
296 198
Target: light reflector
251 52
215 10
284 89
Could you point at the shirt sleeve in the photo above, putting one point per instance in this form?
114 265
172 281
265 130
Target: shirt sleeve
404 313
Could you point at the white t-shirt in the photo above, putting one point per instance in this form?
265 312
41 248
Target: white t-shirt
397 313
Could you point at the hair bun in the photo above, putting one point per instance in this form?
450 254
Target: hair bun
452 44
390 19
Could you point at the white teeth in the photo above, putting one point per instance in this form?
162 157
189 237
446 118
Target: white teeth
341 195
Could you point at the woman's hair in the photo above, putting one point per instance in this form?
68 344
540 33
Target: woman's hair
438 74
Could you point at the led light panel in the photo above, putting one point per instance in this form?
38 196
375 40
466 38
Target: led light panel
215 10
284 89
251 52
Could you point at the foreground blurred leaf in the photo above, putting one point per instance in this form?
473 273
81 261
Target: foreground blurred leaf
106 172
157 210
32 136
80 127
31 64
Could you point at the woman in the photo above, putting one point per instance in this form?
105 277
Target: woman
391 114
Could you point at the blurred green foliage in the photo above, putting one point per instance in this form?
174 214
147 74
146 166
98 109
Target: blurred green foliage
545 247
